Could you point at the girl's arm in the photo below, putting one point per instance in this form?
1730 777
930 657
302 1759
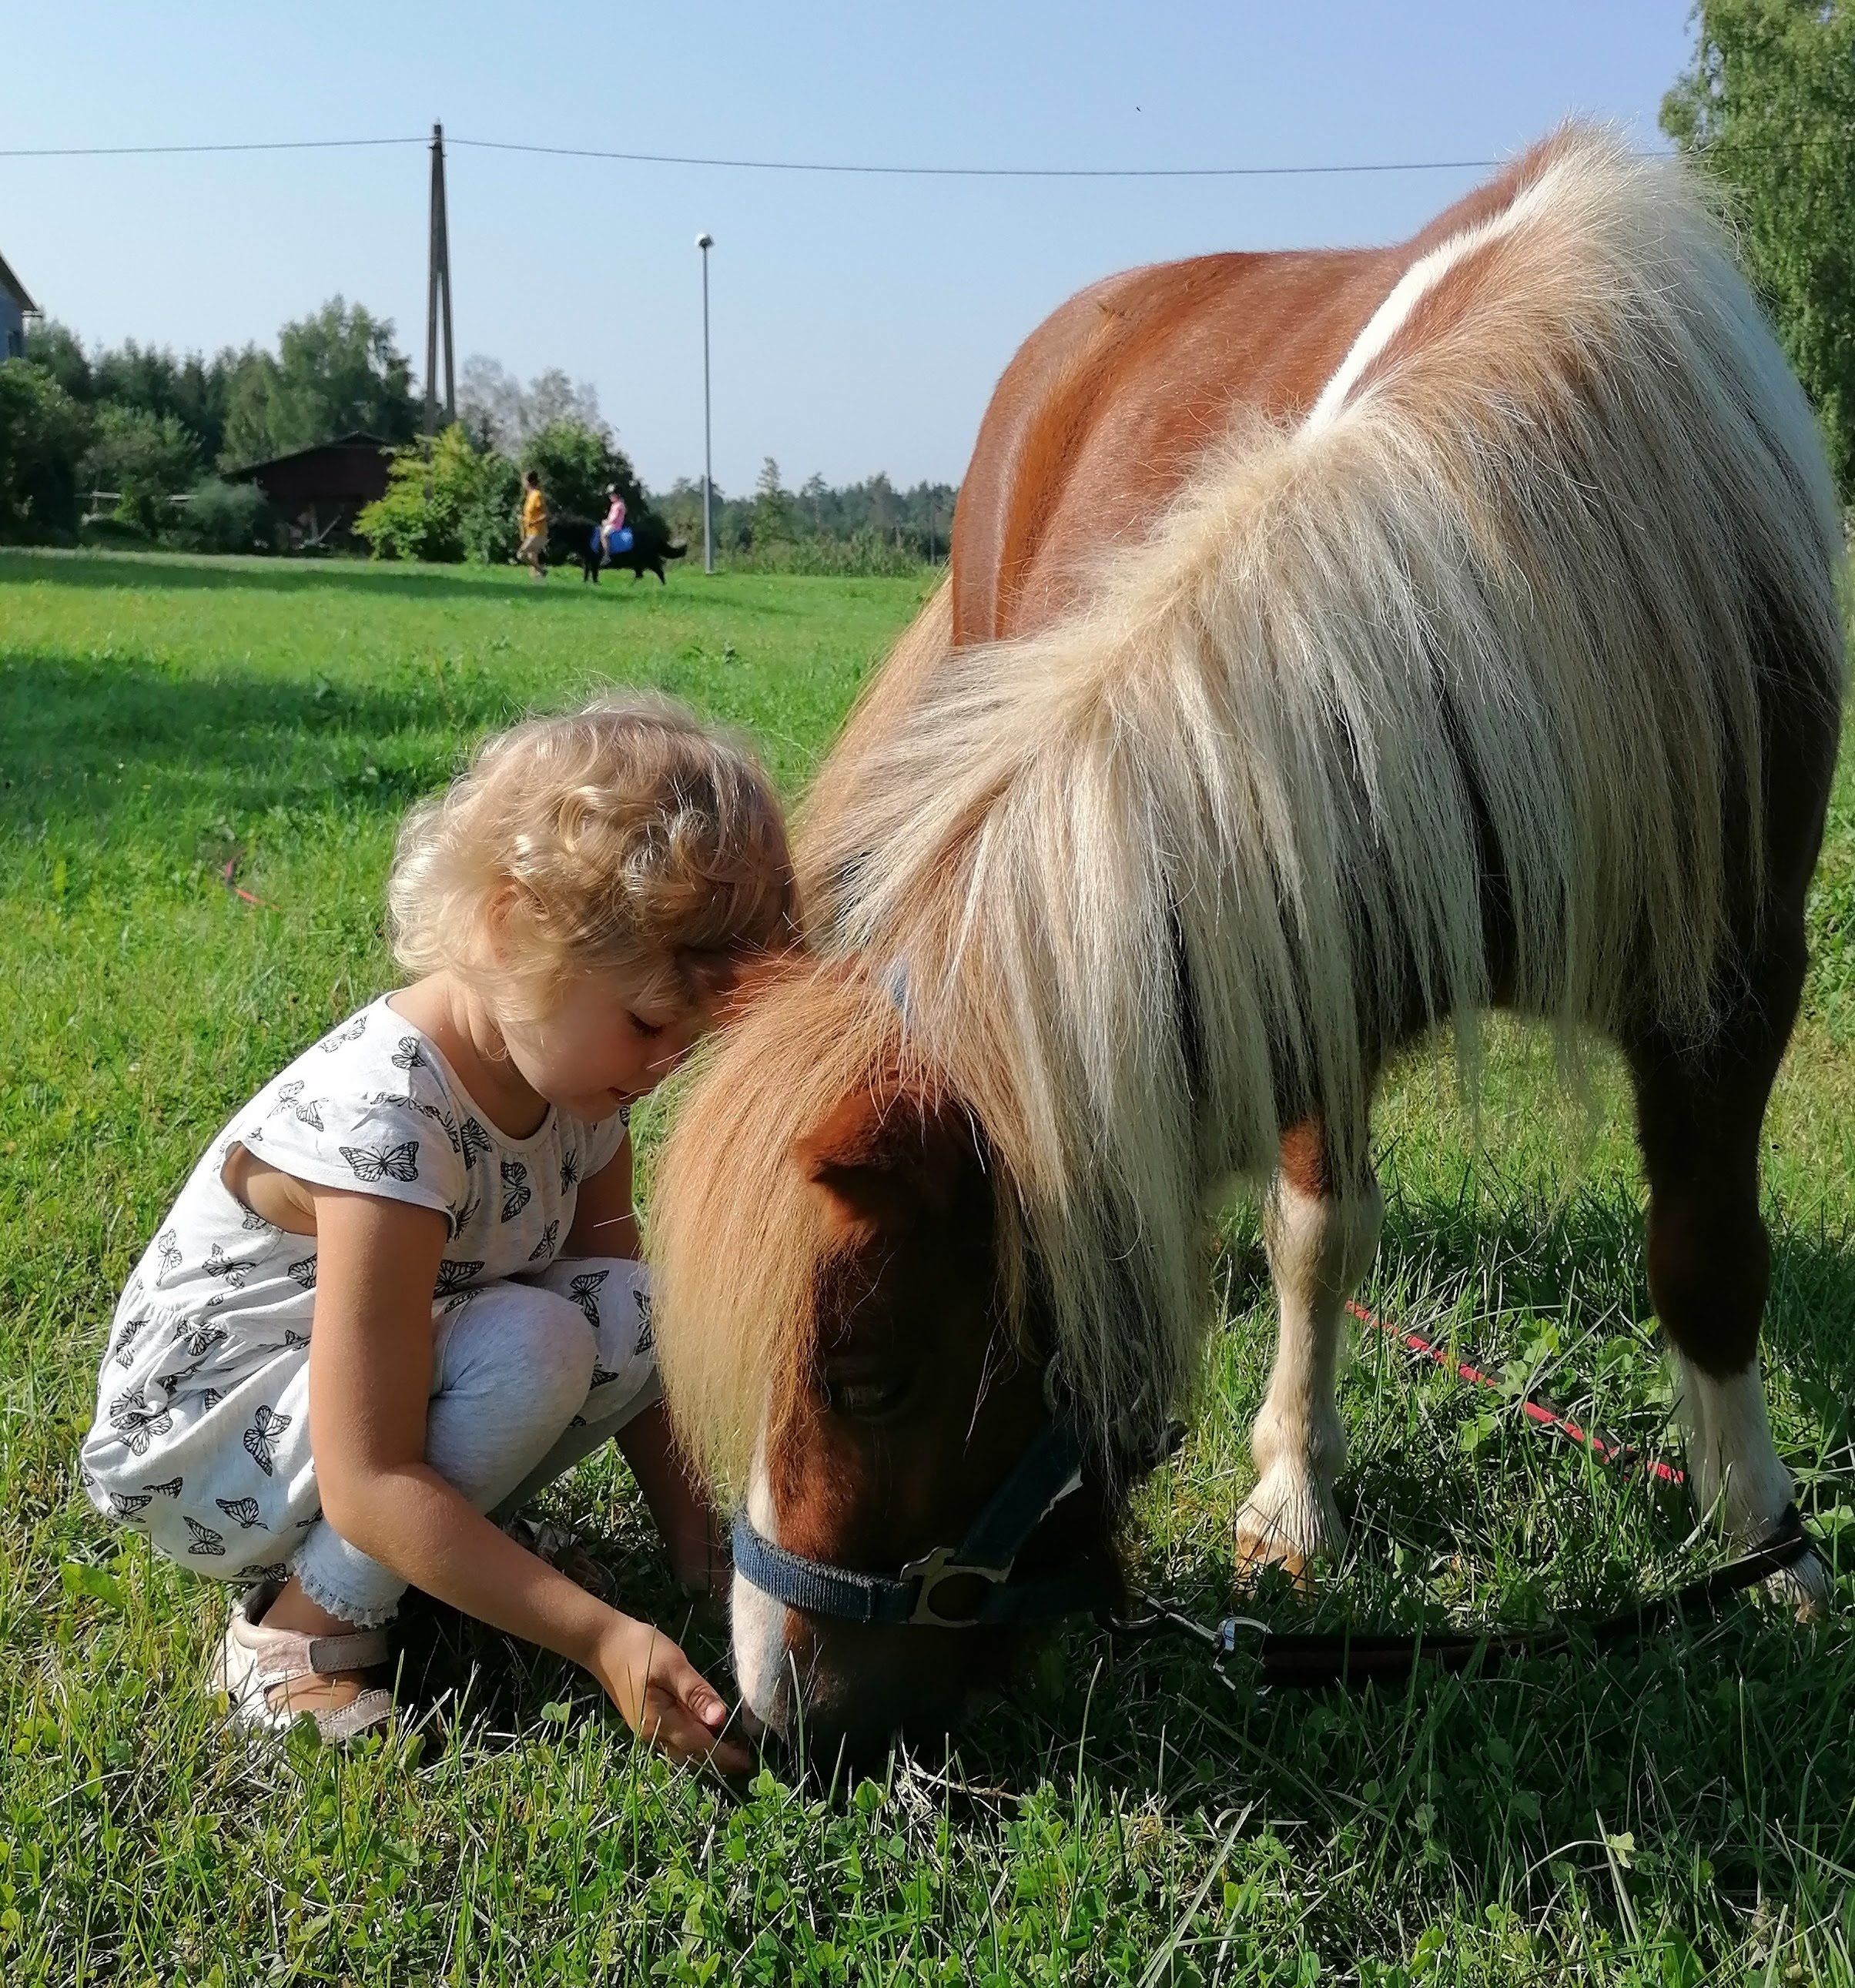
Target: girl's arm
370 1378
605 1224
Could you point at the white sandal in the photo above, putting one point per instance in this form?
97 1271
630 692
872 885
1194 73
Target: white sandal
252 1660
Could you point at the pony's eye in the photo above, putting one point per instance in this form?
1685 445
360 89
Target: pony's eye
866 1398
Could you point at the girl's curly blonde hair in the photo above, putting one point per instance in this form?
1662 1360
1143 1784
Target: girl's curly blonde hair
626 838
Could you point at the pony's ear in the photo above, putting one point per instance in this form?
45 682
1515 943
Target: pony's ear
890 1156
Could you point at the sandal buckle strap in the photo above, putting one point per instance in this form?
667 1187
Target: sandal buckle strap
360 1650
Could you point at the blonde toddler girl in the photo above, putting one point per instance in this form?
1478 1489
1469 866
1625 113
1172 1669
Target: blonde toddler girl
401 1289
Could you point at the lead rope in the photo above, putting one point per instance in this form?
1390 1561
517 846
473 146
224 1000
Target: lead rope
1311 1659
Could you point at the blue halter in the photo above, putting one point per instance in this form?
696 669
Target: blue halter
1047 1474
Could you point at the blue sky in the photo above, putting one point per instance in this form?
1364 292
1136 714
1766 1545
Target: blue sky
859 323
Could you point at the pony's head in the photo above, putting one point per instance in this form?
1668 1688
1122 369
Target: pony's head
845 1348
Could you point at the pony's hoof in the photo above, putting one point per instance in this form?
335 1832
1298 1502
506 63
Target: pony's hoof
1292 1534
1801 1589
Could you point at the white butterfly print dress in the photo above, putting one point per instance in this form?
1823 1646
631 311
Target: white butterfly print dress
201 1434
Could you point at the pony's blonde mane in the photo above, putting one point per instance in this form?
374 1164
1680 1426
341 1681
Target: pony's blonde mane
1507 592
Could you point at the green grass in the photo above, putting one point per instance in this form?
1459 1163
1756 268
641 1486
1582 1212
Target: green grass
1668 1815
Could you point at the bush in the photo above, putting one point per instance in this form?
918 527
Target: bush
227 518
864 554
147 459
446 500
490 525
111 533
43 433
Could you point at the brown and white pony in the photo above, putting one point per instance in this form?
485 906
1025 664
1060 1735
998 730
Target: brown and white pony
1337 644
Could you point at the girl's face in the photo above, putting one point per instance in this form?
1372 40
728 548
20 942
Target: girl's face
601 1047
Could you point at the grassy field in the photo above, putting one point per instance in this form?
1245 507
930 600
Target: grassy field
1669 1815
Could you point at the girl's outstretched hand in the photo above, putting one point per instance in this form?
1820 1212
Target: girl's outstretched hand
664 1697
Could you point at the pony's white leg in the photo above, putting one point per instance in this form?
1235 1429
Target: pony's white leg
1735 1474
1320 1243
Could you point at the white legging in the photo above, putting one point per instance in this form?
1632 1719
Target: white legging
526 1381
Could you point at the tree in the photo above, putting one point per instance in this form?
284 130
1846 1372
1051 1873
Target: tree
336 372
58 349
146 459
195 389
500 411
43 433
1768 104
446 500
774 522
575 463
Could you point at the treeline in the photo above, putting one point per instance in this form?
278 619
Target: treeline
868 527
155 432
134 444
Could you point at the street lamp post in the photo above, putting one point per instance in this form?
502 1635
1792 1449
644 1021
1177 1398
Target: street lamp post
704 241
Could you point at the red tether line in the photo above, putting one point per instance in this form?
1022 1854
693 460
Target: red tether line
231 864
1534 1411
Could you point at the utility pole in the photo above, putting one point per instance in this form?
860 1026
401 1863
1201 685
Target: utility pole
437 290
704 241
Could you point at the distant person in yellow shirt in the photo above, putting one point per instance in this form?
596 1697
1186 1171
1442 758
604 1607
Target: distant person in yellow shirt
532 551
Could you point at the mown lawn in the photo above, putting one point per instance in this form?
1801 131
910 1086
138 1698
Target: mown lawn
1669 1815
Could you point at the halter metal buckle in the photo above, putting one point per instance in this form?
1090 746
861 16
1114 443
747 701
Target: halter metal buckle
941 1565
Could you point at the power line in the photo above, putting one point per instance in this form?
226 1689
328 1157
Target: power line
982 172
774 165
144 151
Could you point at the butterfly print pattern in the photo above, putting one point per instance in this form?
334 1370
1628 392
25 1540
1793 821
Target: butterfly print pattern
352 1033
600 1376
586 1294
475 1140
646 1338
294 1342
210 1397
303 1271
200 1338
466 1215
290 1098
132 1330
278 1571
167 1248
544 1249
126 1505
170 1489
452 1276
570 1171
244 1510
265 1424
516 1193
371 1163
408 1056
252 1220
135 1418
456 1302
439 1117
172 1383
205 1541
234 1270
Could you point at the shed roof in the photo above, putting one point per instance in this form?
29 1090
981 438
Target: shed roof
359 438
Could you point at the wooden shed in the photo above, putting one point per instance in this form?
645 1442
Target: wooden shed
319 490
